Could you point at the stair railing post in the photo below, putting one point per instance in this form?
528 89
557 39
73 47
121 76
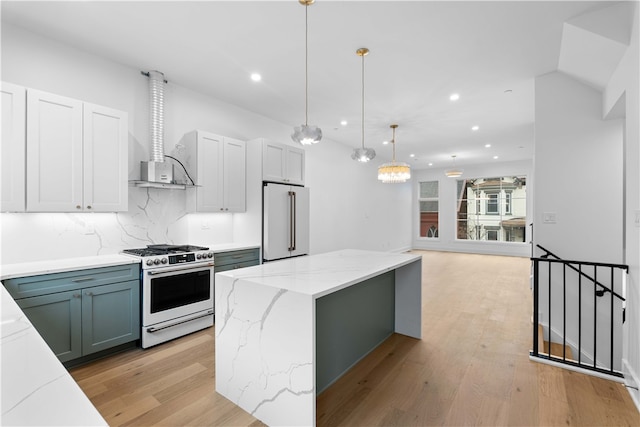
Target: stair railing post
535 307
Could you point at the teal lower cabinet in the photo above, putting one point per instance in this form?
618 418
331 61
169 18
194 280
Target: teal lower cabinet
110 316
58 318
232 260
76 319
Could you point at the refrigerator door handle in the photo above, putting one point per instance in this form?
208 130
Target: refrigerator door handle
292 227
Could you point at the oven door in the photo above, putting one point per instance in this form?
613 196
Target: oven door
177 291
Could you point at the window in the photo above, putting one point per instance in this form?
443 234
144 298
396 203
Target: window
429 209
492 204
492 209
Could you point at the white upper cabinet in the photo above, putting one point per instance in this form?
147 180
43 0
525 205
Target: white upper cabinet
105 159
76 155
282 163
12 151
218 165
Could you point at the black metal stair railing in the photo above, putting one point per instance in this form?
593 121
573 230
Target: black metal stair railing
575 295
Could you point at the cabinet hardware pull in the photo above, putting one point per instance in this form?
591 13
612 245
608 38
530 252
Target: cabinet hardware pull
78 207
89 294
82 279
237 256
77 295
88 206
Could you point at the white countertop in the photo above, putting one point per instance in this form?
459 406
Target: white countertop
34 268
322 274
226 247
24 269
36 389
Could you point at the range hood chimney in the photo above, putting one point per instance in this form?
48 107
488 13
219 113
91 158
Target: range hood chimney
156 169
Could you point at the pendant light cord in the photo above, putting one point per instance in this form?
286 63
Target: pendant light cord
306 65
393 144
363 101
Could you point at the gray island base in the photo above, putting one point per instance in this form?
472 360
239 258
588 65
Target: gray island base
286 330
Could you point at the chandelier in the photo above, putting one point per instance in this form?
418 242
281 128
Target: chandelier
305 134
363 154
454 172
394 172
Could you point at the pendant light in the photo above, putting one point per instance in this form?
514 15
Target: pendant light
394 172
305 134
454 172
363 154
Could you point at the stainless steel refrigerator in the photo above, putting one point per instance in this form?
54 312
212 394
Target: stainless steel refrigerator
285 221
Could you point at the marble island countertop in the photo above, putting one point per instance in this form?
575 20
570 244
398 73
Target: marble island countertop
321 274
266 318
36 389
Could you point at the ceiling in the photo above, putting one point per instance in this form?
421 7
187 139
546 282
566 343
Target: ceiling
421 52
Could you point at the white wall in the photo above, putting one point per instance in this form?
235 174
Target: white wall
578 170
625 86
446 240
349 207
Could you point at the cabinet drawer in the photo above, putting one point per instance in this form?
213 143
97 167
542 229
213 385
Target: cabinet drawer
23 287
234 266
236 257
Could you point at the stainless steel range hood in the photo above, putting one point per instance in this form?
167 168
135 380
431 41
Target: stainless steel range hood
156 172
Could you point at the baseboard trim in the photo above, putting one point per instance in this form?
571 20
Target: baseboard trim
576 369
631 380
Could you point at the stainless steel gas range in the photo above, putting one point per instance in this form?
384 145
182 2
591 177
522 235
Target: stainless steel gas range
177 291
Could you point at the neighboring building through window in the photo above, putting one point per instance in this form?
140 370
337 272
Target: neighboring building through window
492 209
429 209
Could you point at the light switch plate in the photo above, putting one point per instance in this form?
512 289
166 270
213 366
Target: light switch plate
549 217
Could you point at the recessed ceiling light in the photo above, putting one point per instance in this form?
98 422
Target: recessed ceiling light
476 127
495 157
343 122
430 164
487 145
412 155
454 97
385 142
256 77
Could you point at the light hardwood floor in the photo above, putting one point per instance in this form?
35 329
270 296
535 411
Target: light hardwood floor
470 368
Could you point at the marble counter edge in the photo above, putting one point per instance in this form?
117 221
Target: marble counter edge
37 268
229 247
42 390
249 275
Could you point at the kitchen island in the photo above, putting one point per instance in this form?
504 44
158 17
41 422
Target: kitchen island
286 330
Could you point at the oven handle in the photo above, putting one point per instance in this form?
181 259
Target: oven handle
186 267
154 329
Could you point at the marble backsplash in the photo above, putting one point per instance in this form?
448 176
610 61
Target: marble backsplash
154 216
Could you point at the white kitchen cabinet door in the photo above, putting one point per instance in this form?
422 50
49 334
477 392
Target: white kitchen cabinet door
105 159
282 163
218 165
210 172
54 153
12 151
235 175
295 165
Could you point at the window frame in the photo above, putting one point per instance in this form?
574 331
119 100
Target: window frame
428 231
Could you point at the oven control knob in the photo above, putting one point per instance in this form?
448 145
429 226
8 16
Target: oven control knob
149 262
163 260
198 256
210 254
156 261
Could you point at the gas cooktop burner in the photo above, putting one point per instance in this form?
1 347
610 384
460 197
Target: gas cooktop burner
153 250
